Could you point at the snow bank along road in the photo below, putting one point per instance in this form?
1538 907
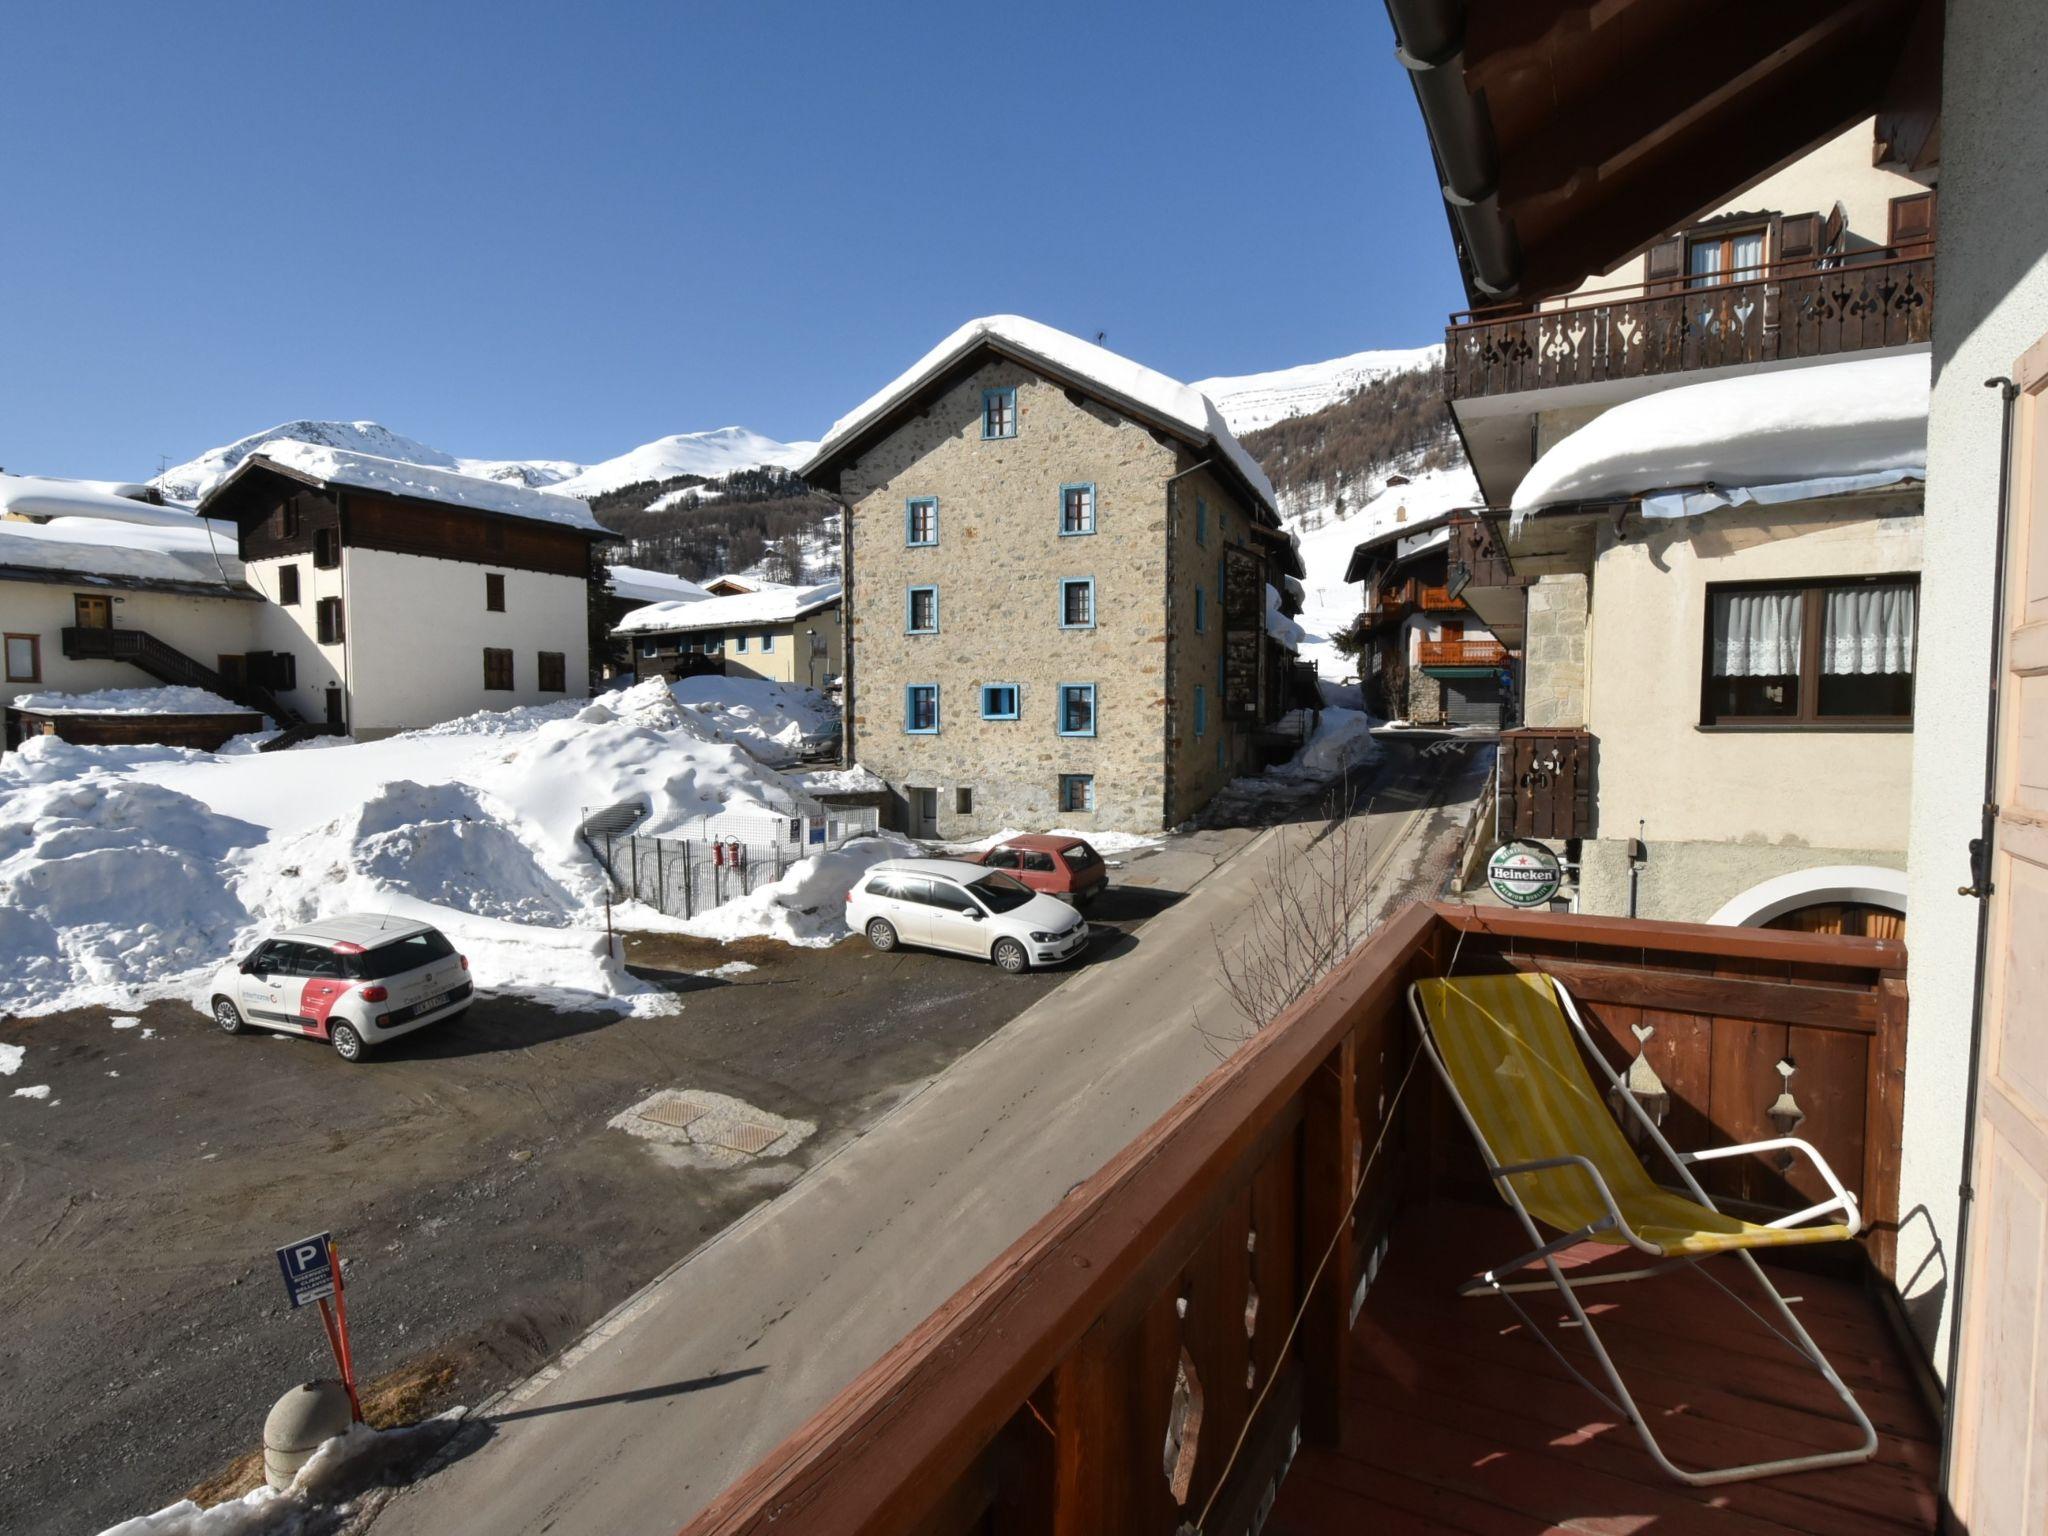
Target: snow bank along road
686 1387
485 1213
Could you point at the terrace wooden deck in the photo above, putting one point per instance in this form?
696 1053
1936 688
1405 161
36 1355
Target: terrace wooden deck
1457 1421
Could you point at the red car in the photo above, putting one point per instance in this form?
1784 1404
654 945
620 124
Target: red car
1064 867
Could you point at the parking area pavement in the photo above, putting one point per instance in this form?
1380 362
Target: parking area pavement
485 1211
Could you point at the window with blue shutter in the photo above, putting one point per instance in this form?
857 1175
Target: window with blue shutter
999 701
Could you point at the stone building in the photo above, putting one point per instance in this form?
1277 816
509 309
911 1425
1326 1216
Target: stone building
1064 589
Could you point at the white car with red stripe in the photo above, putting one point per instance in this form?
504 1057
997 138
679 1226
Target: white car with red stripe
353 981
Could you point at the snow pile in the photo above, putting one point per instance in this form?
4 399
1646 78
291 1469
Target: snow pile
807 906
130 701
395 477
109 888
1060 353
1342 742
345 1468
10 1059
1766 437
1279 626
1250 401
776 722
189 551
856 780
116 500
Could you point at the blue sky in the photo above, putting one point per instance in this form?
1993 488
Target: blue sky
543 230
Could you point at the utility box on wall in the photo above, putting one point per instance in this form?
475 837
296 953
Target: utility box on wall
1545 785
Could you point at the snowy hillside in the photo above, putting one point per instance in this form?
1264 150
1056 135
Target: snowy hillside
1253 400
714 454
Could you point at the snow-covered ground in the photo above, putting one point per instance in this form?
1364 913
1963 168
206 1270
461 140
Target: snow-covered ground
773 721
130 701
713 453
129 873
1250 401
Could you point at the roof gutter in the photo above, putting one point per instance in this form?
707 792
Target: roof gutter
1430 38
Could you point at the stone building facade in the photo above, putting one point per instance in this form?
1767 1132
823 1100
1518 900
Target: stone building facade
1015 659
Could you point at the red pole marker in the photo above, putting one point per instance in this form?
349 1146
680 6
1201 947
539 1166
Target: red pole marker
344 1353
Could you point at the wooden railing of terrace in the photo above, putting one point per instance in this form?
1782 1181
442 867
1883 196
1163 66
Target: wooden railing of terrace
1790 310
1142 1359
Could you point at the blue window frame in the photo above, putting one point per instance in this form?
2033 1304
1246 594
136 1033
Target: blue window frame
999 701
921 709
921 521
1077 602
1201 521
921 611
1077 510
999 413
1077 709
1201 610
1077 791
1201 710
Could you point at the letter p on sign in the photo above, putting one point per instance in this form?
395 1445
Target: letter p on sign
308 1268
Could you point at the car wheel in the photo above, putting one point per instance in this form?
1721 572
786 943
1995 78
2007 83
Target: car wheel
882 935
1009 954
348 1045
228 1016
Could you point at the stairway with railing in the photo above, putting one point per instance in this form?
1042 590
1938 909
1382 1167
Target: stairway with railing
167 664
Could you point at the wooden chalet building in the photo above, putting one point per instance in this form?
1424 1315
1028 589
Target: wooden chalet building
1424 656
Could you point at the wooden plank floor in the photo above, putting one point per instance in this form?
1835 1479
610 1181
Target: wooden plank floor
1458 1420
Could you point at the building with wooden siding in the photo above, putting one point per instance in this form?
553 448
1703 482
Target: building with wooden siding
1424 656
1065 589
399 596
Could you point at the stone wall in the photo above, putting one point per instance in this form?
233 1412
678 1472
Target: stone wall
1425 701
1554 652
1207 518
998 566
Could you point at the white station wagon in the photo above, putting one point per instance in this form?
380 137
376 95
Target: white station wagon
354 981
951 904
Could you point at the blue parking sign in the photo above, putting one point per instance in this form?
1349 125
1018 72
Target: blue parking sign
308 1267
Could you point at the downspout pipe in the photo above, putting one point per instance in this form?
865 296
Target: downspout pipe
1980 887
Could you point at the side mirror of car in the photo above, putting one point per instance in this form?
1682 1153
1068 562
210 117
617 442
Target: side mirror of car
976 913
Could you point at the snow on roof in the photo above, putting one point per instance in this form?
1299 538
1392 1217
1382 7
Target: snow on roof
1116 376
131 701
736 612
751 583
1790 435
47 496
367 472
1279 626
636 584
196 553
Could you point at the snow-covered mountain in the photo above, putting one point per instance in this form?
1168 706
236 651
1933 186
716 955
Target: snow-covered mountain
1250 401
714 454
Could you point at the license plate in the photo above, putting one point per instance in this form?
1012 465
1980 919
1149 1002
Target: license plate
429 1005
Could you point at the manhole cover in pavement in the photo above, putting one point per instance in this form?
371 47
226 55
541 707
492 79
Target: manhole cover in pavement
715 1129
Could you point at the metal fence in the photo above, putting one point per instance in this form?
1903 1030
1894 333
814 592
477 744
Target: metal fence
727 858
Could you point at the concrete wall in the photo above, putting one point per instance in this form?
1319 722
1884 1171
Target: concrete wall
204 628
998 566
1690 882
1554 651
1815 790
1992 305
417 629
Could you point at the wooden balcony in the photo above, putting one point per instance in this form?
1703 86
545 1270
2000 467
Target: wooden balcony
1788 311
1142 1360
1461 653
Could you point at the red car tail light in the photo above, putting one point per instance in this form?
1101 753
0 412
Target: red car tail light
465 961
375 994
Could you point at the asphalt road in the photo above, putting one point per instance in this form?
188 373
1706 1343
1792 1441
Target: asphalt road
485 1213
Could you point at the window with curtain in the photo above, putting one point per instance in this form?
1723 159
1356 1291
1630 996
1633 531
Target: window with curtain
1711 260
1829 654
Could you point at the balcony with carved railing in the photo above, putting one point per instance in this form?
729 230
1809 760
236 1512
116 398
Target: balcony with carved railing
1246 1320
1789 310
1460 653
1438 599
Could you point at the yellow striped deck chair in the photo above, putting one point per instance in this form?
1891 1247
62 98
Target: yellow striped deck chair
1513 1053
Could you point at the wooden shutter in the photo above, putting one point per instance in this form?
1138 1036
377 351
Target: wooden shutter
1799 242
1912 224
1832 229
1664 265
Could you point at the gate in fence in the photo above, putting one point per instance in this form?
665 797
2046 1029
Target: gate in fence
727 858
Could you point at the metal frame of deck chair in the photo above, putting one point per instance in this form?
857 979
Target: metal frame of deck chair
1616 1225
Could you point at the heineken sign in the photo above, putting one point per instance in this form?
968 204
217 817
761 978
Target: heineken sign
1523 874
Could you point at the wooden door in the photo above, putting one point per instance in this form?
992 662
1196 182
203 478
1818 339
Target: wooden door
1998 1477
92 612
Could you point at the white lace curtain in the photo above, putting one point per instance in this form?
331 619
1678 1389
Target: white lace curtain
1867 630
1758 634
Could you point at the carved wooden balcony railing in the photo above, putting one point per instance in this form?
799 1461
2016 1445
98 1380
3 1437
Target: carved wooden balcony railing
1461 653
1438 600
1790 311
1129 1365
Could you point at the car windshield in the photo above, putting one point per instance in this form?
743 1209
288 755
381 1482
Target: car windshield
1000 892
406 954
